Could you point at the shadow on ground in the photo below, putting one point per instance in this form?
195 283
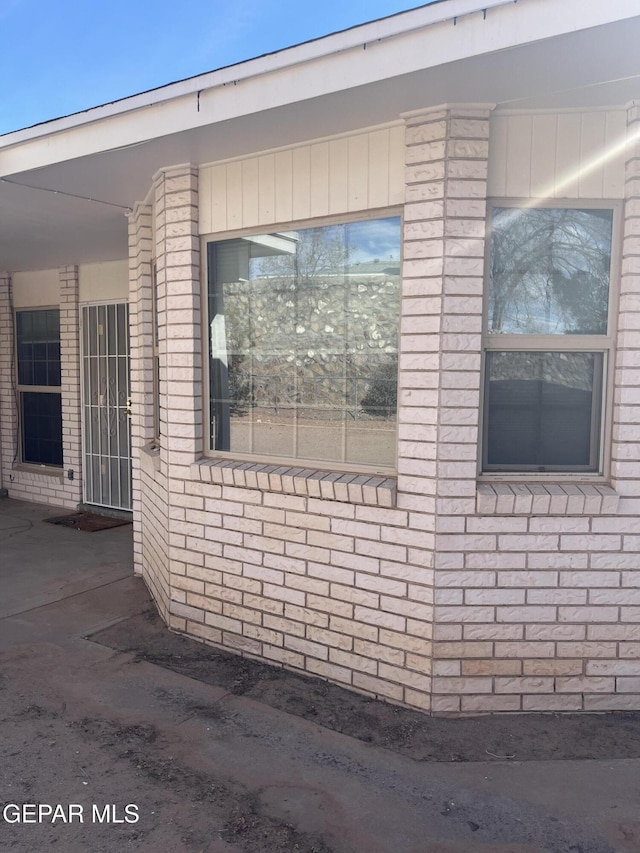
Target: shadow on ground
521 737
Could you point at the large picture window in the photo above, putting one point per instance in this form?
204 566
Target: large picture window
39 393
303 343
548 337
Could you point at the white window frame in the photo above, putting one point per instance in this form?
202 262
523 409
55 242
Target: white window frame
307 464
22 389
603 344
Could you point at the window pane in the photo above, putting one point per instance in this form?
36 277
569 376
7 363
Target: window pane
38 347
550 271
542 410
303 342
41 428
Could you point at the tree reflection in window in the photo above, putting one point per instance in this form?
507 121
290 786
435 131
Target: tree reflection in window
303 340
549 271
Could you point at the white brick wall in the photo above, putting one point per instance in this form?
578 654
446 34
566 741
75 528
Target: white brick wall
149 480
7 379
70 379
625 452
531 609
436 594
311 581
304 582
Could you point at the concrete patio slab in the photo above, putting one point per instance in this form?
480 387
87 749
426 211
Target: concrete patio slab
41 563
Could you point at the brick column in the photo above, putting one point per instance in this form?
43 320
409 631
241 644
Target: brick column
625 456
178 263
141 362
179 309
70 383
8 415
447 151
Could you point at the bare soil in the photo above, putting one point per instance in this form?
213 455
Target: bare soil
240 817
521 737
181 808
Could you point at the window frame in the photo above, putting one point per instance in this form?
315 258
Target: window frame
21 389
590 344
308 465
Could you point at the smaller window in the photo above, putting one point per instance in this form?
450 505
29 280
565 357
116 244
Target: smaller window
548 338
39 393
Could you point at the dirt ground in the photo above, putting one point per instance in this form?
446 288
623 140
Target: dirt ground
219 767
102 708
531 737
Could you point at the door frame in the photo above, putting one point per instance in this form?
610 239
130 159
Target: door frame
83 429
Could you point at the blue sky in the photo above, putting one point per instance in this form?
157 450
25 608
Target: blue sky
64 56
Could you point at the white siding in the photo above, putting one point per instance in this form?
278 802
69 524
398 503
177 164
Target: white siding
557 155
359 172
105 282
38 289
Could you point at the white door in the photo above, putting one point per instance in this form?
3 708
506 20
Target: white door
105 404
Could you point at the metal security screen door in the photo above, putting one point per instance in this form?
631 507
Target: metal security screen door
106 429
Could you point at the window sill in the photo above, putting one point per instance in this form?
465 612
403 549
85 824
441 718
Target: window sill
545 499
305 482
150 459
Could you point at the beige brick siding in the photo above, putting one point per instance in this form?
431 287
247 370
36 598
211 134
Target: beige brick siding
455 598
7 394
70 369
545 617
625 455
149 480
322 585
181 402
309 583
536 612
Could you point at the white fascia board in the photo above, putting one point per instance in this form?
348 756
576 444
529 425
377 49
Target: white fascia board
389 27
443 32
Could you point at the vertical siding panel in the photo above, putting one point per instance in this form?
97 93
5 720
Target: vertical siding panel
218 198
498 152
284 186
613 171
250 192
358 172
396 165
338 175
592 142
378 189
319 179
234 195
518 177
341 175
543 155
567 156
266 189
301 183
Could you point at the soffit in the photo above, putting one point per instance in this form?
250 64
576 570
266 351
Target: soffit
40 229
